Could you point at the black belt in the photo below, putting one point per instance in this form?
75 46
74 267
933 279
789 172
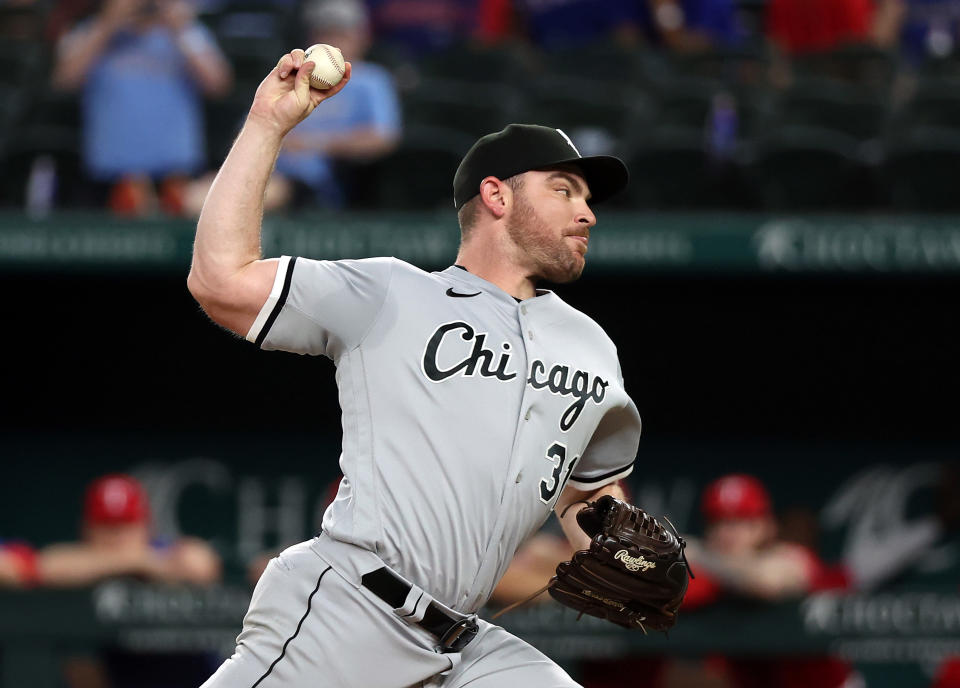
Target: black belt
453 632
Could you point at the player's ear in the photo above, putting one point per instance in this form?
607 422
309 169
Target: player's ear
493 193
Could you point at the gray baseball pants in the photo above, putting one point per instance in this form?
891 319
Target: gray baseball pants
308 627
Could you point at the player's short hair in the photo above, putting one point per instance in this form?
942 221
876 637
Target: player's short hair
469 212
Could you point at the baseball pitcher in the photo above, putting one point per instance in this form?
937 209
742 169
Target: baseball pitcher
474 404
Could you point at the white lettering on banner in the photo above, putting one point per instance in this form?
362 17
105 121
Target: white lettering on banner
899 614
269 512
879 246
880 541
256 520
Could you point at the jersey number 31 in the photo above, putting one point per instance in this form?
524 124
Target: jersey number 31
557 455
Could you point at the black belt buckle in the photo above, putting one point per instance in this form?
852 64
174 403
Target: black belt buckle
459 635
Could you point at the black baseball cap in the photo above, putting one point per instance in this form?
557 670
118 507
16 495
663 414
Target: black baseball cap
523 147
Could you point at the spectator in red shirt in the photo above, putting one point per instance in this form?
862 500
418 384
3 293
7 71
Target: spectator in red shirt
117 540
805 26
741 554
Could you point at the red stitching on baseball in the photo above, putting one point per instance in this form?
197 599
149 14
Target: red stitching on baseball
333 60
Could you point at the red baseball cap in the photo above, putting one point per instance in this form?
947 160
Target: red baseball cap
735 496
114 499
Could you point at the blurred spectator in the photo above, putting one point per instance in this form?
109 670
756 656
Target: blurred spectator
931 29
557 24
804 26
143 67
362 123
742 554
418 27
18 564
686 26
948 675
679 25
117 541
359 125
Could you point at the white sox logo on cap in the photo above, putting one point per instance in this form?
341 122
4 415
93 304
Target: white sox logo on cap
567 139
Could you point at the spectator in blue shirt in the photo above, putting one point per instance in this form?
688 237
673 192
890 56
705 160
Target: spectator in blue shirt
419 27
143 67
361 124
558 24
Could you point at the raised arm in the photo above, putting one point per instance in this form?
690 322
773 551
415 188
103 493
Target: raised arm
228 276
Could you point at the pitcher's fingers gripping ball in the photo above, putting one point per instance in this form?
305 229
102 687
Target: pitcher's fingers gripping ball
634 574
329 66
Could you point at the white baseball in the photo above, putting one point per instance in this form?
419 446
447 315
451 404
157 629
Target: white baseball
329 65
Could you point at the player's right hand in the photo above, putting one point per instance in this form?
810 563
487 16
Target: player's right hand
285 98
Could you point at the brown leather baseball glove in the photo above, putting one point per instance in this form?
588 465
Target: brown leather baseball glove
634 573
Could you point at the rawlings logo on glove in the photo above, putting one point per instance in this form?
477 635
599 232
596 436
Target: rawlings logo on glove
634 563
634 574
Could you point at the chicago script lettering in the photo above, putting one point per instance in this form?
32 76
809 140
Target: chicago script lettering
468 366
559 379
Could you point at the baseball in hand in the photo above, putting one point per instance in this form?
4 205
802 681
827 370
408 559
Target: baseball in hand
329 65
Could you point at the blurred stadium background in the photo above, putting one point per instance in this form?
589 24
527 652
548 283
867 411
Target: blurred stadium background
781 280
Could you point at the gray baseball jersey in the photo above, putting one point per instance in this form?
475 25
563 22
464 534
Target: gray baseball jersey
465 412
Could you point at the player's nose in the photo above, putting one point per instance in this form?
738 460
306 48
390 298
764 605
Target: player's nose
585 215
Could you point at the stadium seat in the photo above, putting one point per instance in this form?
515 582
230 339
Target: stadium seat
605 63
476 109
920 170
797 167
574 105
23 21
831 104
742 66
22 63
507 63
223 119
686 102
419 174
252 58
865 66
669 168
935 103
49 126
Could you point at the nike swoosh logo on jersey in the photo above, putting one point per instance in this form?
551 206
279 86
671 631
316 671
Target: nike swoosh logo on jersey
451 292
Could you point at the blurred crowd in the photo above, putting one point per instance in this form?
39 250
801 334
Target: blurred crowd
751 554
130 105
747 552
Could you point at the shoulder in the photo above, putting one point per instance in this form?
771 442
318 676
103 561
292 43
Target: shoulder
382 269
584 324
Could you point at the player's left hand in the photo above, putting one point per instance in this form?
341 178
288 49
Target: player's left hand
634 573
285 98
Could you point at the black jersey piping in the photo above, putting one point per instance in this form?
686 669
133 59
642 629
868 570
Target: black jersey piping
296 632
278 306
601 477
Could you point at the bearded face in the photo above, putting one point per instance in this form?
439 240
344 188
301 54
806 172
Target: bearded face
549 226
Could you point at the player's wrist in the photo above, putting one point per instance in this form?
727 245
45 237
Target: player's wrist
264 128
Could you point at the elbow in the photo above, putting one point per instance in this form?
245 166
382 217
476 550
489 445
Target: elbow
195 286
200 290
